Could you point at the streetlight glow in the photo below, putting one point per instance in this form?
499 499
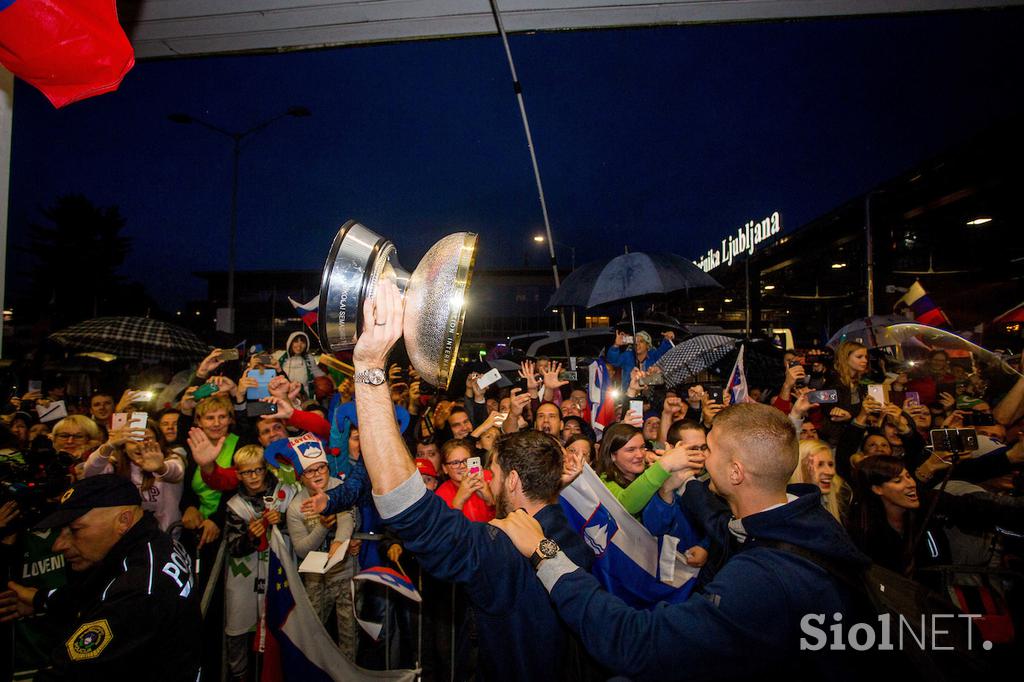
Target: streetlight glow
539 238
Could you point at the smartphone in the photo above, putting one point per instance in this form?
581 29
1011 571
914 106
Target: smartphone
980 419
35 386
652 379
119 420
956 441
229 354
638 407
473 464
825 396
911 398
500 418
143 396
714 393
627 339
570 375
877 391
138 421
948 387
205 391
262 389
485 380
264 359
258 408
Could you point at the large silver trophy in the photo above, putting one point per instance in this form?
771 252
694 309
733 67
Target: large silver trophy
435 295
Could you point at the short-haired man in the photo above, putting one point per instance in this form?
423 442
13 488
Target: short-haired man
458 422
134 595
747 622
548 419
520 636
101 408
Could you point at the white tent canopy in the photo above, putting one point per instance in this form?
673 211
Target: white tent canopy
167 28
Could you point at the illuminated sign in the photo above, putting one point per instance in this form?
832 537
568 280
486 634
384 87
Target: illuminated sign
746 239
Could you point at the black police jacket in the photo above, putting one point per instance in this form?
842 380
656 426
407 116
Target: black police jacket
136 614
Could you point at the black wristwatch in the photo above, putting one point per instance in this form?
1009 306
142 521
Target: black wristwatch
547 549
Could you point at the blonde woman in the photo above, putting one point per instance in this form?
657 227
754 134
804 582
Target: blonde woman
818 466
77 435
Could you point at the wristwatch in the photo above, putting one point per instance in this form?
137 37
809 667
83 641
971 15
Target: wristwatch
374 376
547 549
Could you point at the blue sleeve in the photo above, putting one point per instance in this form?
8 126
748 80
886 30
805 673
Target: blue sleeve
738 630
351 490
655 353
658 515
452 548
709 512
624 359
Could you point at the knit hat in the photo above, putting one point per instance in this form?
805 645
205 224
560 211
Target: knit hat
300 452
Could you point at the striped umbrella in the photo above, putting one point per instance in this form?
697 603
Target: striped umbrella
694 355
139 338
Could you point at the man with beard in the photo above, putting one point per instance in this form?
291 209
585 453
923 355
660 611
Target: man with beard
520 637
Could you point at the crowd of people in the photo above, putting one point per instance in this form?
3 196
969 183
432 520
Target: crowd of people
460 491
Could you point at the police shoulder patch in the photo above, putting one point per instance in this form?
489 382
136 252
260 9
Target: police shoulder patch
89 640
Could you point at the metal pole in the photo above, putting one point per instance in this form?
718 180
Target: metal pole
746 271
536 168
231 235
869 248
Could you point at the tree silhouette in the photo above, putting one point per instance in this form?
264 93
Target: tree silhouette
77 256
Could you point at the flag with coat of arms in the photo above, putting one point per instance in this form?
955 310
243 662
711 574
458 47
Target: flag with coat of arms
629 562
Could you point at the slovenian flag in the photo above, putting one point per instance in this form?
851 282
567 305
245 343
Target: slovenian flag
307 311
737 384
629 562
68 50
296 646
601 396
924 308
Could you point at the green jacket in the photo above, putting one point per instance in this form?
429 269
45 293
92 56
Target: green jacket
209 499
645 486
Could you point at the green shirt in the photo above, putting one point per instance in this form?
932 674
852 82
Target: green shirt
209 499
636 496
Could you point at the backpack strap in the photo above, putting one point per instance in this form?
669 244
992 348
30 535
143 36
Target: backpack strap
849 575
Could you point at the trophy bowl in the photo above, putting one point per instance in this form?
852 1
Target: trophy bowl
434 294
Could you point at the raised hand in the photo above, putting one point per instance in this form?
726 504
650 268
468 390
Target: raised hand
528 371
152 459
285 408
279 386
839 415
204 452
316 504
382 326
673 409
551 380
209 363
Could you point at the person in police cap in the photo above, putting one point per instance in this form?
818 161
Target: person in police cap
130 598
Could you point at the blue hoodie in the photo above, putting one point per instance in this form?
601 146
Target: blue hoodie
746 624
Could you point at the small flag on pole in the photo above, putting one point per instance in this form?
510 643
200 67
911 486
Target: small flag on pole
924 308
307 311
737 385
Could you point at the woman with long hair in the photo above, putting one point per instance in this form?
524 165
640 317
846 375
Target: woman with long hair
622 465
148 463
817 465
888 512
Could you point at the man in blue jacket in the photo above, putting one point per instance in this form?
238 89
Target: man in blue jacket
520 636
747 621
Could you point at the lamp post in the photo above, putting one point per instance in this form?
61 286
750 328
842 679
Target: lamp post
237 138
540 239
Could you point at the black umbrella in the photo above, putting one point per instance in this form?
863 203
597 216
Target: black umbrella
630 276
139 338
693 356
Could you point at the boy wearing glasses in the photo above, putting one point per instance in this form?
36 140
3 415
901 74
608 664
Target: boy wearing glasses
251 513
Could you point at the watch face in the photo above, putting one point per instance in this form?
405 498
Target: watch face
548 548
376 377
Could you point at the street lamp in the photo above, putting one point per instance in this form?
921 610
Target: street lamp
237 137
540 239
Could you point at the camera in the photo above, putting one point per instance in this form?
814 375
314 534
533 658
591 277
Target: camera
957 441
975 418
35 483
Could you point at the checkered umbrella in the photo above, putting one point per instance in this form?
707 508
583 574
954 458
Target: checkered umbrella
138 338
693 356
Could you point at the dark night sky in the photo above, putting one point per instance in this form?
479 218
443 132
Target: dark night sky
656 138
